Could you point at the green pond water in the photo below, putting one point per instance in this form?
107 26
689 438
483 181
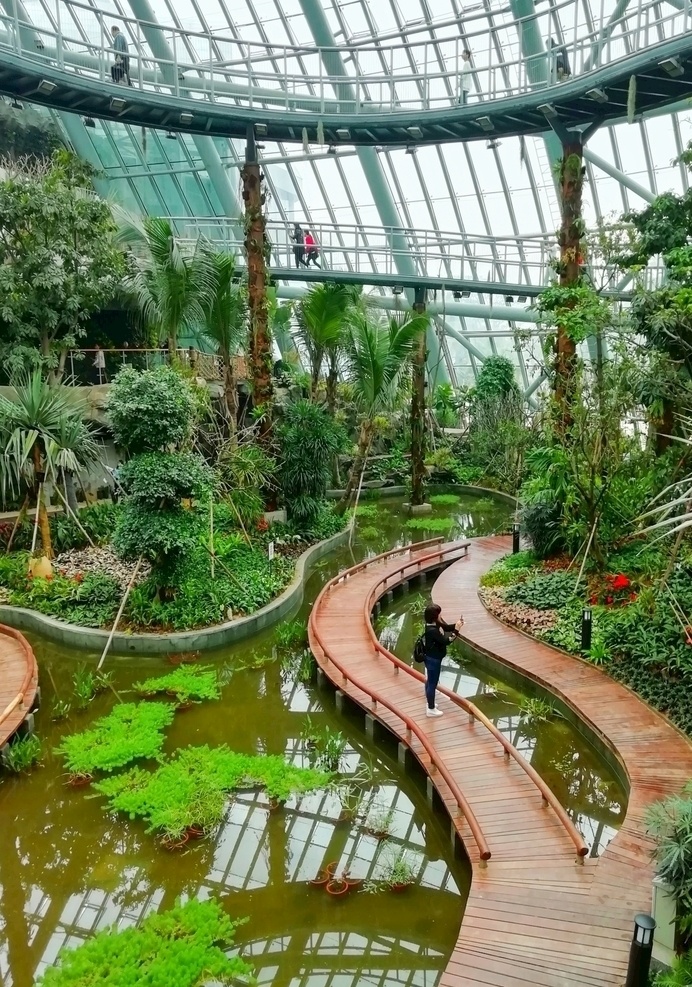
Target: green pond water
67 869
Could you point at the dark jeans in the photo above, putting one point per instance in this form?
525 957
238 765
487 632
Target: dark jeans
432 677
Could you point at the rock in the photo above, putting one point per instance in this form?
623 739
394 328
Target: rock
99 560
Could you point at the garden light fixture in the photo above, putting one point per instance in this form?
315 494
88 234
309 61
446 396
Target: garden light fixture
640 951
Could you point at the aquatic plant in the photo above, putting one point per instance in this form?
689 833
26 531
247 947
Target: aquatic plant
444 500
396 874
130 732
187 946
378 822
84 686
21 754
291 634
537 710
190 788
299 666
369 511
434 524
370 532
61 710
188 683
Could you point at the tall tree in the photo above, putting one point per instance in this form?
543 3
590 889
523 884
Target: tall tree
226 326
172 288
42 431
418 412
322 317
59 262
377 356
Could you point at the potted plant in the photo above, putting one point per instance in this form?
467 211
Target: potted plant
337 887
669 822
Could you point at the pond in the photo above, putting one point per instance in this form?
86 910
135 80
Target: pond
67 869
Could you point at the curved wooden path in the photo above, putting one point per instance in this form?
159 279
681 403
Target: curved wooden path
535 915
18 681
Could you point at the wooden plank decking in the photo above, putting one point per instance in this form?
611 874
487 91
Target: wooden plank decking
18 680
535 916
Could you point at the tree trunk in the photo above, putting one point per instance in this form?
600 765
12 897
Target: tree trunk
664 428
418 424
70 490
571 184
43 522
364 443
172 345
314 379
260 348
332 381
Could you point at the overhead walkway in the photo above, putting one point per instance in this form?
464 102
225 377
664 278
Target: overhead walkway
515 268
408 93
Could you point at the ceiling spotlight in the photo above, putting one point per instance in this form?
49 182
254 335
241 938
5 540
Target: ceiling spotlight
343 134
456 295
261 130
397 290
509 299
16 105
46 87
170 136
673 67
598 95
415 132
89 122
118 104
521 298
548 111
331 149
492 145
410 149
466 294
185 118
485 123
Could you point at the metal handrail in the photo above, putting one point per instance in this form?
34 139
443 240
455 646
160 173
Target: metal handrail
547 795
411 728
199 66
31 670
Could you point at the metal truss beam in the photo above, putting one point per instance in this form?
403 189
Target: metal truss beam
619 176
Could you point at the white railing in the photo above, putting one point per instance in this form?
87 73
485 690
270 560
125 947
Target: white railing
411 75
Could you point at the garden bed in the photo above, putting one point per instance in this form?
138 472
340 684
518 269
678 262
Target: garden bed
640 635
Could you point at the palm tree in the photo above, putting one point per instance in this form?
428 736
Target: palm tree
42 432
322 317
378 353
171 287
226 326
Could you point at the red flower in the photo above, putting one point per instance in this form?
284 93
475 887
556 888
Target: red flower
593 600
621 582
79 577
262 524
609 599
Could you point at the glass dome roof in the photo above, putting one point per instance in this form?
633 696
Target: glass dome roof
491 202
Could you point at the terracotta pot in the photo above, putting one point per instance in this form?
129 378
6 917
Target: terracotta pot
181 707
175 842
79 781
398 888
331 868
322 878
195 832
353 882
337 888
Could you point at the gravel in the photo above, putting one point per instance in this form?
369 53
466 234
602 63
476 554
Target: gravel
99 560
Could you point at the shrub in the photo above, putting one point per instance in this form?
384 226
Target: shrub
157 477
91 602
309 439
670 824
130 732
150 410
187 946
545 591
541 522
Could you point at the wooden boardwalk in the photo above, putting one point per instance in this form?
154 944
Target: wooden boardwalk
18 680
535 917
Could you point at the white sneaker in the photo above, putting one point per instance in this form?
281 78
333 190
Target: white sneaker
434 712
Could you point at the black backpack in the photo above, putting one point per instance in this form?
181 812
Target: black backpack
419 649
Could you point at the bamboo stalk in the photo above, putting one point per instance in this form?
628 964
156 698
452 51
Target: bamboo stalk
119 613
211 536
21 512
586 553
73 515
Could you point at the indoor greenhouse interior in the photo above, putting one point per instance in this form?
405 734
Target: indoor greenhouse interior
346 493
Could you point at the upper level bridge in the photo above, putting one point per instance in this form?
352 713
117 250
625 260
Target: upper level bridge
363 94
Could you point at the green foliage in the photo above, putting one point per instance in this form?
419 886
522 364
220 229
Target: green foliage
670 824
131 731
188 946
537 710
444 500
58 260
299 666
542 524
245 471
309 439
187 683
369 533
433 524
509 569
163 537
98 520
495 380
150 410
544 591
578 310
291 634
680 974
158 479
326 747
465 474
91 602
190 789
370 512
21 754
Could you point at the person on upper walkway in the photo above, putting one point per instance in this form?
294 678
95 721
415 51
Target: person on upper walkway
465 77
121 67
438 636
298 238
311 251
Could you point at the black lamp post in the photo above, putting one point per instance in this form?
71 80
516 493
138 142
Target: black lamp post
586 627
640 951
516 532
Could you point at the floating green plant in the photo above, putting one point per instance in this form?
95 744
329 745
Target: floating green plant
21 754
188 683
444 500
130 732
190 789
291 634
186 946
428 523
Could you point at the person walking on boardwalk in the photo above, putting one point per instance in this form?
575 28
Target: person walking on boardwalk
298 238
465 77
438 636
121 67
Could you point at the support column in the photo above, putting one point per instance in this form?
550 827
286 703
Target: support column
316 18
418 430
571 185
260 347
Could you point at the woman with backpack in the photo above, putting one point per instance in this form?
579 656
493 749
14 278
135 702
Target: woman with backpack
433 643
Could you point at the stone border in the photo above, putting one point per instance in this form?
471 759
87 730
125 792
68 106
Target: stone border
204 639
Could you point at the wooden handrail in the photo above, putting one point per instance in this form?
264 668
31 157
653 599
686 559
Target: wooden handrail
374 559
547 795
31 670
411 727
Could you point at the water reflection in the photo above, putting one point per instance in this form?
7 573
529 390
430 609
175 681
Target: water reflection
582 780
68 870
